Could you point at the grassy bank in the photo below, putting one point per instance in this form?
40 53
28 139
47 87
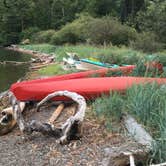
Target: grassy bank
147 103
111 54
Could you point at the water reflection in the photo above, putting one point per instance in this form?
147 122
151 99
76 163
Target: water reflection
11 73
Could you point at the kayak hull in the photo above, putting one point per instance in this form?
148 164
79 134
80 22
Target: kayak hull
90 88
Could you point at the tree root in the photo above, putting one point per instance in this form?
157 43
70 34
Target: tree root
70 130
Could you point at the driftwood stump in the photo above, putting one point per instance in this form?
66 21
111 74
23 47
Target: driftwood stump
71 129
7 121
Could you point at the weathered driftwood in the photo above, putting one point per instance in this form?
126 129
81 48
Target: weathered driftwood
162 164
56 114
127 154
142 138
4 94
131 158
7 122
138 132
13 62
131 152
71 129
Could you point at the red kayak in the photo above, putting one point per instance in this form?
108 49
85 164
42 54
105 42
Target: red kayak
126 70
90 88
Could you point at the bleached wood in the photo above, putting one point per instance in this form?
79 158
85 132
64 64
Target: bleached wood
9 123
56 113
69 129
3 94
162 164
77 118
138 132
75 97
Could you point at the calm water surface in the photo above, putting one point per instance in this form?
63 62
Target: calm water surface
11 73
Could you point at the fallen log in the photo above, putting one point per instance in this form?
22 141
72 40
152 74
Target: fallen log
138 132
13 62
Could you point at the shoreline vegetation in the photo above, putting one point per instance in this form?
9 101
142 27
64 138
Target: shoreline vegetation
121 54
110 54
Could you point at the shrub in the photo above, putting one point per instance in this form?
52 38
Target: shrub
146 42
28 33
108 30
43 36
73 33
43 48
119 55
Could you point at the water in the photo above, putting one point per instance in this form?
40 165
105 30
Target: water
11 73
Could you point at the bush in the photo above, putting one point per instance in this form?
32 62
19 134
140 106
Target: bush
73 33
146 42
107 30
43 36
28 33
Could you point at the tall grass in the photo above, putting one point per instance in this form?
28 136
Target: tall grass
148 104
43 48
54 69
112 54
109 54
110 107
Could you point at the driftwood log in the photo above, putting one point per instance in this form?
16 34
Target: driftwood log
133 151
141 136
70 130
162 164
138 132
13 62
4 94
7 122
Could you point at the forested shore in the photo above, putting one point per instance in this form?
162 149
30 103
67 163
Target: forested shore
139 24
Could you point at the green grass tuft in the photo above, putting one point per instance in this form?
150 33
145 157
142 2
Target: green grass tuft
110 107
54 69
